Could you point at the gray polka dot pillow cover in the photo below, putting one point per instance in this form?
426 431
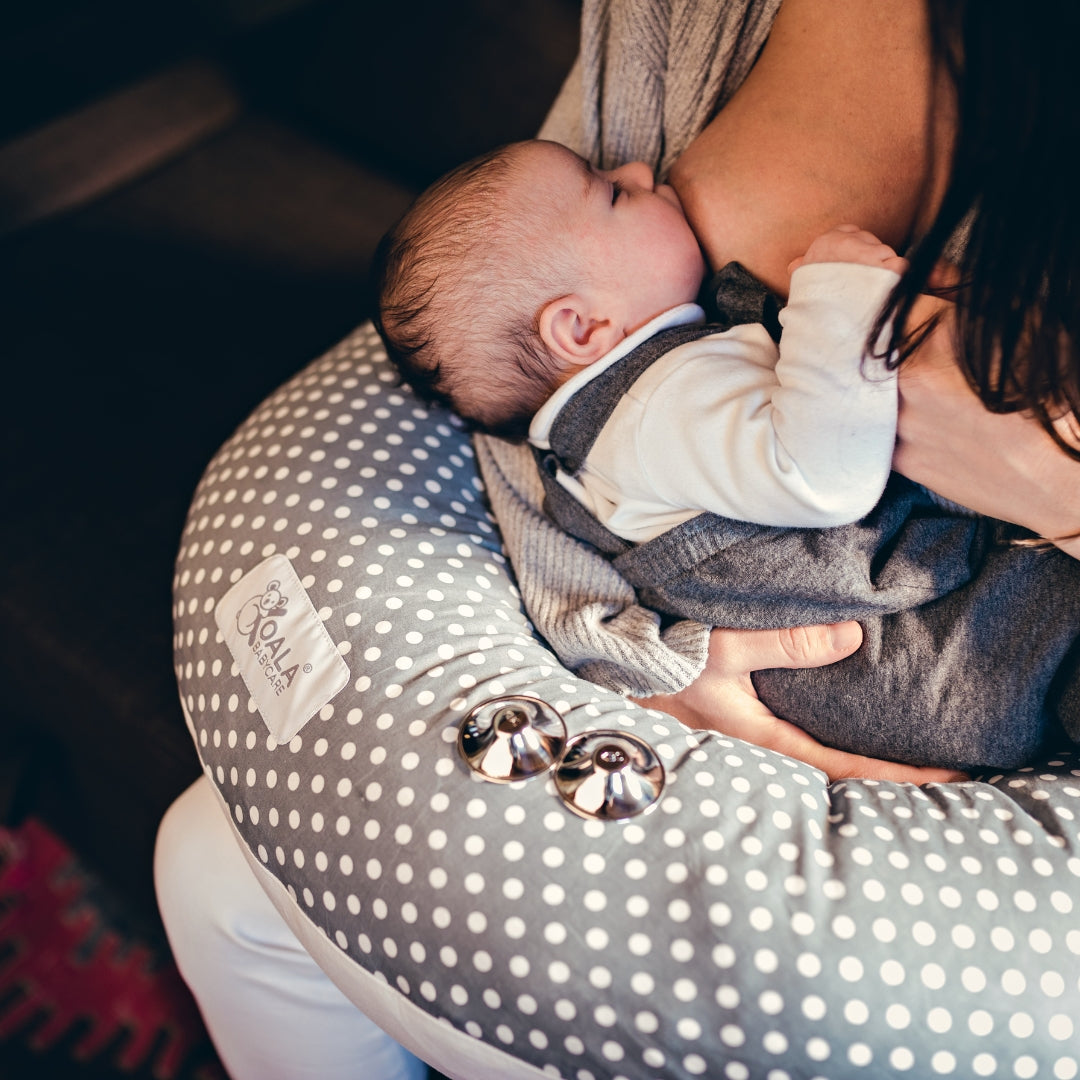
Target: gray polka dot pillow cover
343 606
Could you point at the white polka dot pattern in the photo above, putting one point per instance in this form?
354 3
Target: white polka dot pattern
756 924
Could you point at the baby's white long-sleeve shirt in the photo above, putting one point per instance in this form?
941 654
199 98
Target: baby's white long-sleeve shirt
802 435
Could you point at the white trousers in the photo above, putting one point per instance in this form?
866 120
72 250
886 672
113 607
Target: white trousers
271 1011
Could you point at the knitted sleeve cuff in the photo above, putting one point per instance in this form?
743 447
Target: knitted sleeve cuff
582 607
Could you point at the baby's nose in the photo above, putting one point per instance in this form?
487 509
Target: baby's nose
637 173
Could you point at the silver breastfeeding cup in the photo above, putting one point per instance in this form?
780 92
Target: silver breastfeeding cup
512 738
609 775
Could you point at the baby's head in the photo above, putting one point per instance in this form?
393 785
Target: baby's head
519 268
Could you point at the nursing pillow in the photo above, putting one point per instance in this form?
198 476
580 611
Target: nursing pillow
396 749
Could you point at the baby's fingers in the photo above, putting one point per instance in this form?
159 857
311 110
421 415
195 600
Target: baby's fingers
849 243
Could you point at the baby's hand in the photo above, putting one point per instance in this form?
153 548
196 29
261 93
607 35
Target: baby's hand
850 244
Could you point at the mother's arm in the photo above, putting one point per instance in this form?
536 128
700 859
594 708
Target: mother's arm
1003 465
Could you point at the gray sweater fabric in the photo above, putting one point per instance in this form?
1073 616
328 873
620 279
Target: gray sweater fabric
649 76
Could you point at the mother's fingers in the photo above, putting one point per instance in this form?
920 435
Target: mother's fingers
840 765
739 652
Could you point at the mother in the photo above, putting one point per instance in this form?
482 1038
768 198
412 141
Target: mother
850 112
845 115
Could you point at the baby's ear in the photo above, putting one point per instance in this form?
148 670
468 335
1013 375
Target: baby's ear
575 333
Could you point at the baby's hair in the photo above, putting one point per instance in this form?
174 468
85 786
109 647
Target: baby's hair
460 286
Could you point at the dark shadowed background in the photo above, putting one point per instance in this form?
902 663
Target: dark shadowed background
190 193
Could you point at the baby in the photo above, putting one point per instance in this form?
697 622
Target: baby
732 478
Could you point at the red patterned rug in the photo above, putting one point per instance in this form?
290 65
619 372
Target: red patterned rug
81 999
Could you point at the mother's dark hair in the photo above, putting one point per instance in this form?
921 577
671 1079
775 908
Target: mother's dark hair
1015 70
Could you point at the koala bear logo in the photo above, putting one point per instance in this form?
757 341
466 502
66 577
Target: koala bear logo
272 604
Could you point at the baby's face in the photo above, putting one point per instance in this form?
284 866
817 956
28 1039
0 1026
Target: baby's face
630 234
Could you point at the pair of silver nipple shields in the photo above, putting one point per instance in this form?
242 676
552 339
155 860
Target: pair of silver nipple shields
607 774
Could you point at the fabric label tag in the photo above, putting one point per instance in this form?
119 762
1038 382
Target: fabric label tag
288 661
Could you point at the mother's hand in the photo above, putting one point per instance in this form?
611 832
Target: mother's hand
1004 465
723 699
